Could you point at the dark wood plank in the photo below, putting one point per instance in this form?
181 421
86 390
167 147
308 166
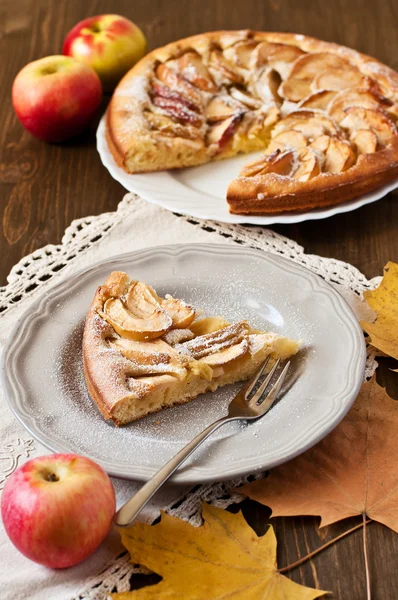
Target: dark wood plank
43 188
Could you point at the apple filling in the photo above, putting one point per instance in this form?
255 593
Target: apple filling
154 335
235 98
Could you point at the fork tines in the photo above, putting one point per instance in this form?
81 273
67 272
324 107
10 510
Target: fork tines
261 394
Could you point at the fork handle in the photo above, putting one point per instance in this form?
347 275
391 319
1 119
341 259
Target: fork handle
127 513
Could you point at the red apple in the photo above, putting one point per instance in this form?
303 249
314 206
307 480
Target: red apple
56 97
109 44
58 508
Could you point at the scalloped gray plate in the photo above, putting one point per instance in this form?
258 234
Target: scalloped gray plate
44 383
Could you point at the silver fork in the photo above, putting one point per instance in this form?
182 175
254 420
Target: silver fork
243 406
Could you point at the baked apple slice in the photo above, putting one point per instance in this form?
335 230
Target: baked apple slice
260 54
358 118
141 314
177 336
127 324
280 163
295 90
266 87
245 99
339 156
304 70
318 100
281 56
320 144
287 140
177 83
241 53
356 97
222 70
227 355
221 133
311 124
149 358
221 107
194 71
182 314
308 165
365 141
212 343
178 110
338 79
158 89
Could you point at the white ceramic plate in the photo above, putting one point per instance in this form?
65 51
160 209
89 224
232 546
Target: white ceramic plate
200 191
42 368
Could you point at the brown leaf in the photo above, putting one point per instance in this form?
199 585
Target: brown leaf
352 471
384 301
224 558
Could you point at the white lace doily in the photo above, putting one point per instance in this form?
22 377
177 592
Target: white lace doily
136 224
40 266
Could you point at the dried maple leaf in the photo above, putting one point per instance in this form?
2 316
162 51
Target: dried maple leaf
224 558
384 301
352 471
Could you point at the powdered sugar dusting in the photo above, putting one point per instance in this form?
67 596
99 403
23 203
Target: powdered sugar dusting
212 343
175 336
135 88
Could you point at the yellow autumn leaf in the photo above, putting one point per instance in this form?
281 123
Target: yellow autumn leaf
384 301
224 558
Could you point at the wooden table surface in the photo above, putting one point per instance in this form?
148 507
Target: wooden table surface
44 187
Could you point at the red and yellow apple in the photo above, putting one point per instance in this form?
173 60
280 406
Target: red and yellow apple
109 44
56 97
57 509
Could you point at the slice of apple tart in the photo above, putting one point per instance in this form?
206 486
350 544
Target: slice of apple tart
142 352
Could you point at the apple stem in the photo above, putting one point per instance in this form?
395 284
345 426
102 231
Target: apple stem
51 477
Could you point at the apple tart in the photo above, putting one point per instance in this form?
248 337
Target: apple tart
142 352
324 115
